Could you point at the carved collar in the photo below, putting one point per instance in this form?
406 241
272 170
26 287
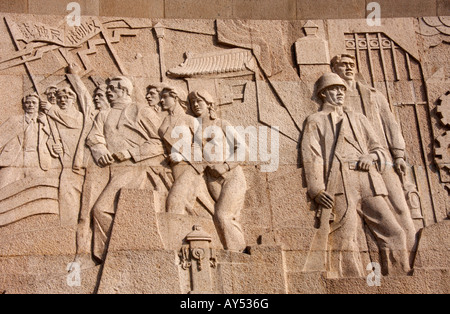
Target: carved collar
329 108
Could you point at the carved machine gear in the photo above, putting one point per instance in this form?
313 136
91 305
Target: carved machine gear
443 152
443 109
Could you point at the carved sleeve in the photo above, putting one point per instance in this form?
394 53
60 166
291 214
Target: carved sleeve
392 129
373 144
313 159
96 140
85 99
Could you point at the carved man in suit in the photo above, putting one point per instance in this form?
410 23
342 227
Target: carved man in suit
124 141
23 144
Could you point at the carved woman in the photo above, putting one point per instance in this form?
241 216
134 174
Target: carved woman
224 177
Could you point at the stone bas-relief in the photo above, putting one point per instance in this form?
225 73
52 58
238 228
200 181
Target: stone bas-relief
153 175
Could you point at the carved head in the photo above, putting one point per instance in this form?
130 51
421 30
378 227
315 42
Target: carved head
171 97
100 99
30 103
345 66
50 92
119 88
202 104
331 89
153 95
66 98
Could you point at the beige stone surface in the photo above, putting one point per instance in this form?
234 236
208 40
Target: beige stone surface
187 9
264 10
330 10
20 6
443 8
404 8
54 7
134 8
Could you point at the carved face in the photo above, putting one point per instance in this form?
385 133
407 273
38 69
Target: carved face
100 100
51 96
199 107
153 97
168 102
114 92
65 101
334 95
31 105
346 69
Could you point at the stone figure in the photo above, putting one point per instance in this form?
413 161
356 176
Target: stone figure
50 93
66 124
182 196
154 109
119 142
96 178
373 104
23 144
343 162
224 177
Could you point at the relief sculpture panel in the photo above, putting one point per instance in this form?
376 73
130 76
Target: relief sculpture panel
208 156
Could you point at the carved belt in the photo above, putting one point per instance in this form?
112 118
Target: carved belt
353 165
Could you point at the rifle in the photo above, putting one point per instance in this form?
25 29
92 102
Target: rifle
317 257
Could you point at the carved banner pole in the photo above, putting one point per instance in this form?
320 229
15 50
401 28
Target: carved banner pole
160 32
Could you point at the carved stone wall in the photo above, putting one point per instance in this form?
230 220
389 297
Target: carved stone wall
339 171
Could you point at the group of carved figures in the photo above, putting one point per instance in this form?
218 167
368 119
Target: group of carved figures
354 161
114 143
352 149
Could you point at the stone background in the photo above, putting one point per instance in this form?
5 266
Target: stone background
233 9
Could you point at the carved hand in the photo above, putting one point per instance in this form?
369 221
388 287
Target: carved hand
106 160
122 156
218 170
58 149
73 69
324 199
176 157
400 166
365 162
44 106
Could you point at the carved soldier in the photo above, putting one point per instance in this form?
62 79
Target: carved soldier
342 162
23 144
374 105
182 195
225 178
120 142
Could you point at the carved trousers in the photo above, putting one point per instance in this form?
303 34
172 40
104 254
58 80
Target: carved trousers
360 202
70 188
106 206
182 195
229 194
95 182
401 209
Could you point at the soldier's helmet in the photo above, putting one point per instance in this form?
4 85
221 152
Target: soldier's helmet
328 80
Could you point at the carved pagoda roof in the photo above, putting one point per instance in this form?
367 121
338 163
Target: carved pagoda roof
230 61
